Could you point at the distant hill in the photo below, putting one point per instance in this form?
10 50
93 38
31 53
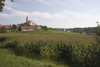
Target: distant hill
86 30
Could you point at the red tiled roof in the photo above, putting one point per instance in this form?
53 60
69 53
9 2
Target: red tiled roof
31 21
38 25
7 26
27 27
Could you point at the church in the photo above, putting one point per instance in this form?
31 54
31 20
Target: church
29 22
29 26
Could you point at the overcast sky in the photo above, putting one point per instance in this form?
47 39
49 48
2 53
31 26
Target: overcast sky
52 13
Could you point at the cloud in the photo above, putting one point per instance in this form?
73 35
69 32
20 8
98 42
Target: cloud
17 13
4 15
62 15
50 16
62 2
78 15
44 15
54 2
12 4
46 2
79 2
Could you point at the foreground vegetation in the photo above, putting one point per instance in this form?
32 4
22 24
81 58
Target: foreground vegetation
9 59
71 49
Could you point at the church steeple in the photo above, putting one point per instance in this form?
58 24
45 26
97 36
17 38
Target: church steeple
26 18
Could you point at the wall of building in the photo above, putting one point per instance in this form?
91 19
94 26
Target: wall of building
28 29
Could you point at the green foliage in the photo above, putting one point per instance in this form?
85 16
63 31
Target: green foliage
45 28
49 51
97 31
81 31
14 26
3 30
2 39
9 59
11 44
2 4
43 31
86 30
81 52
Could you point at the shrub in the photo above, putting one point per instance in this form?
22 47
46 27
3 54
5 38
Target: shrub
49 52
3 30
75 54
29 49
11 44
2 39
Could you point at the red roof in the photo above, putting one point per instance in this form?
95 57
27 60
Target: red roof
31 21
7 26
27 27
0 26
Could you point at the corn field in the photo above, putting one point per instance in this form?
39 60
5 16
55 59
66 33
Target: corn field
72 49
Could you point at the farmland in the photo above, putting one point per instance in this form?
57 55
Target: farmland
75 50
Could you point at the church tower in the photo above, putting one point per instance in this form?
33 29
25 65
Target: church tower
26 18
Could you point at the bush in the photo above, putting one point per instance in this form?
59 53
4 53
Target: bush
2 39
75 54
29 49
11 44
3 30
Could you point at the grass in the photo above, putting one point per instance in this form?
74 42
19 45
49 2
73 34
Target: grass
43 31
9 59
64 37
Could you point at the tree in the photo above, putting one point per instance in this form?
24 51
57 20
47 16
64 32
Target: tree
45 28
14 26
2 4
3 30
97 31
81 31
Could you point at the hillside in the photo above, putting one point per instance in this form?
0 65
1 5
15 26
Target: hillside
50 31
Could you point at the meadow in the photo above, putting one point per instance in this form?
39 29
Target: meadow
72 50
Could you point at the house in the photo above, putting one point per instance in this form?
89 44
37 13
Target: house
68 31
27 28
63 29
29 22
0 26
38 26
6 26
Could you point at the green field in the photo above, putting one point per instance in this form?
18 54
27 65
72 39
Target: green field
48 50
43 31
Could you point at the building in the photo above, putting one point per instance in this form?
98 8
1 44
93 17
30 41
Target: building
29 22
0 26
63 29
7 26
27 28
68 31
38 26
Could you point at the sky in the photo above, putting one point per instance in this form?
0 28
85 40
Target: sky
52 13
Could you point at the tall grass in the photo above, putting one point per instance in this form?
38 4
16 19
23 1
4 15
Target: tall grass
72 53
8 59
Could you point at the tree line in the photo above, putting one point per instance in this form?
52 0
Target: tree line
86 30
